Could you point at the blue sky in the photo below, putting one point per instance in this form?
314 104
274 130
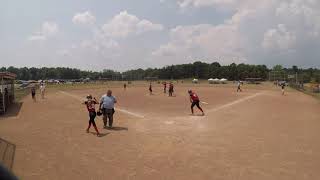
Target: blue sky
127 34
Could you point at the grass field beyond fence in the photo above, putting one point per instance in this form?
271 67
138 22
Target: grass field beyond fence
307 89
20 93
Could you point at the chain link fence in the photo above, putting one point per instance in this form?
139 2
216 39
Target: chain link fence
7 153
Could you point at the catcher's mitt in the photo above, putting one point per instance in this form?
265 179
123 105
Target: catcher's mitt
99 113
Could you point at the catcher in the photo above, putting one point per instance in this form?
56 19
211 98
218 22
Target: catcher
90 103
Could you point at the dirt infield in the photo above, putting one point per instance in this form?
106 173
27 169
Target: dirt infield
257 134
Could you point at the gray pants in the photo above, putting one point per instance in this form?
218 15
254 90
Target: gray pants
108 114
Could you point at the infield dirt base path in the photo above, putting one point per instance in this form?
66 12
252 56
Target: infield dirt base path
254 135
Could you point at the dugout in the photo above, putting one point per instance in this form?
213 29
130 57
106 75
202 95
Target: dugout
6 90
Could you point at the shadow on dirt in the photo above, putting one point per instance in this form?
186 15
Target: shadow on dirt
13 110
101 134
196 115
115 128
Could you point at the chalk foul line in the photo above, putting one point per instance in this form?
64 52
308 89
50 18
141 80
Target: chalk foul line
118 109
130 113
235 102
72 95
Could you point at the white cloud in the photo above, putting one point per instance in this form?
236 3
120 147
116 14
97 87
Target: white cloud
221 42
225 4
64 52
100 44
169 49
279 39
204 3
301 14
37 37
48 29
256 31
85 18
125 24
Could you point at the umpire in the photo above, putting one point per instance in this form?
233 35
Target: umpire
107 107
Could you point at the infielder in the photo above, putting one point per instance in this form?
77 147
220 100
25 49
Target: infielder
195 101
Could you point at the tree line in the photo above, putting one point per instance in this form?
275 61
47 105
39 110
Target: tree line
200 70
58 73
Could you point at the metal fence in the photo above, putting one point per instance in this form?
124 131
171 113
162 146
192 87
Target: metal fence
7 153
313 90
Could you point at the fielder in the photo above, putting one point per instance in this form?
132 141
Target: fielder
164 87
171 90
150 88
33 93
42 90
195 101
283 85
239 86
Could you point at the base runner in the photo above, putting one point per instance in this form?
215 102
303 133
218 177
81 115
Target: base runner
195 101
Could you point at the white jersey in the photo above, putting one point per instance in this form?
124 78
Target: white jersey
42 88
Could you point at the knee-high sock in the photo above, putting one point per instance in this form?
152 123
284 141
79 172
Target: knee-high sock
89 125
95 127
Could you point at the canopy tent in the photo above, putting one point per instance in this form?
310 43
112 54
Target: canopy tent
223 81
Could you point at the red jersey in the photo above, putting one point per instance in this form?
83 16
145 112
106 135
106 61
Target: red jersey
171 87
194 97
91 105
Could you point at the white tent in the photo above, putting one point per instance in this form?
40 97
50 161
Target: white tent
216 81
223 81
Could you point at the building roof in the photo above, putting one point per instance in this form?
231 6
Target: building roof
7 75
